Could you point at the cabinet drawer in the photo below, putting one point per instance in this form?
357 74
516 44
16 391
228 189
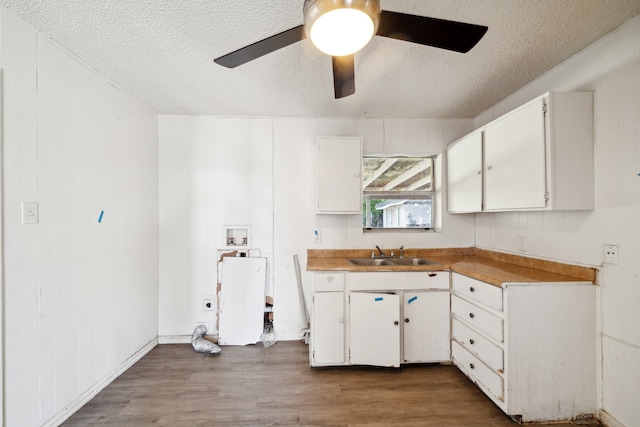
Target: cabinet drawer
398 280
327 282
486 322
482 292
478 371
478 345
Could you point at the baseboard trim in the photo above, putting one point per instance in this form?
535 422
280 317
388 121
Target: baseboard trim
186 339
174 339
609 420
97 387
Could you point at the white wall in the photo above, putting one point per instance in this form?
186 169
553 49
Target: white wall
610 68
217 171
80 297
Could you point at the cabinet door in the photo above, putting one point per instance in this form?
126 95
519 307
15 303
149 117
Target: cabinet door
514 152
426 326
339 175
464 174
327 328
374 331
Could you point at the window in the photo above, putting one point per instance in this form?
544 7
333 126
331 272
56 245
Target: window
398 192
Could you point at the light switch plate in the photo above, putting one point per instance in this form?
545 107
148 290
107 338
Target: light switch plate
30 213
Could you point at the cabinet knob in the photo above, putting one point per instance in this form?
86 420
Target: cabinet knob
406 320
472 289
471 341
489 168
396 323
472 366
471 315
329 278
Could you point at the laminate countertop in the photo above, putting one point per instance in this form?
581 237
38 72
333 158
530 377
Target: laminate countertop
492 267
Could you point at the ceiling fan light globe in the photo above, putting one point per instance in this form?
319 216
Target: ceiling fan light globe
341 27
342 32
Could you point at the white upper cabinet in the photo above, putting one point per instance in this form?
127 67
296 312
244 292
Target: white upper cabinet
464 174
537 157
339 175
514 158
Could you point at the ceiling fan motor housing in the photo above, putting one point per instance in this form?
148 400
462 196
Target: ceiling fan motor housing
313 9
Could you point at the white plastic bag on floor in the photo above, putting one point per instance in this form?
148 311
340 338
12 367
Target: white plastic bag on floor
268 338
202 345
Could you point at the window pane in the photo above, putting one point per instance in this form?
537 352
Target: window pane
397 212
397 192
397 174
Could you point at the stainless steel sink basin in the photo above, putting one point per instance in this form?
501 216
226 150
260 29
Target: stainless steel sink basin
370 261
391 261
413 261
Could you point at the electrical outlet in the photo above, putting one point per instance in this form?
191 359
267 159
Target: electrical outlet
208 304
611 254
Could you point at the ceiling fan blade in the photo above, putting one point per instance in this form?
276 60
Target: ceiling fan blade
261 48
344 81
450 35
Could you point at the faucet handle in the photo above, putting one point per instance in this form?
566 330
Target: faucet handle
373 254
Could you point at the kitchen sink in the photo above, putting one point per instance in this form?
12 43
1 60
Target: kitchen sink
391 261
370 261
413 261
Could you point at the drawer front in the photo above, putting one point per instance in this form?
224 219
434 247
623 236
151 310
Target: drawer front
482 292
327 282
478 371
398 280
471 314
478 345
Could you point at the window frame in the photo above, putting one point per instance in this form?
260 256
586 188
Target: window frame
426 195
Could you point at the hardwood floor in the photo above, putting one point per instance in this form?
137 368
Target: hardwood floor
256 386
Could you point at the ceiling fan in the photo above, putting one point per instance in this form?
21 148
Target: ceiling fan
342 27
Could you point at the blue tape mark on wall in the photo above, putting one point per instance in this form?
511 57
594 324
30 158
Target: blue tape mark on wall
379 299
412 300
101 215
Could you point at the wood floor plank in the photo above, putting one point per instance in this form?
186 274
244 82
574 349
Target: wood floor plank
255 386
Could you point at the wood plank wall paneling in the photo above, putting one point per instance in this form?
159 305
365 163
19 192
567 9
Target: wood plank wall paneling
80 296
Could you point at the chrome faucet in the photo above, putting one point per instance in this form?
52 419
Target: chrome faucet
380 250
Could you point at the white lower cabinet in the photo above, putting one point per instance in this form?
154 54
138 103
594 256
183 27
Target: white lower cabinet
387 329
374 329
391 318
529 346
327 320
425 328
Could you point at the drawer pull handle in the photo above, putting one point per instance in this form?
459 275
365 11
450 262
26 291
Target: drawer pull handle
471 315
432 274
472 366
330 279
396 323
472 289
406 320
471 341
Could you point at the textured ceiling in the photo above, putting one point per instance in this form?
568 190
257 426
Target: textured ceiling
161 51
